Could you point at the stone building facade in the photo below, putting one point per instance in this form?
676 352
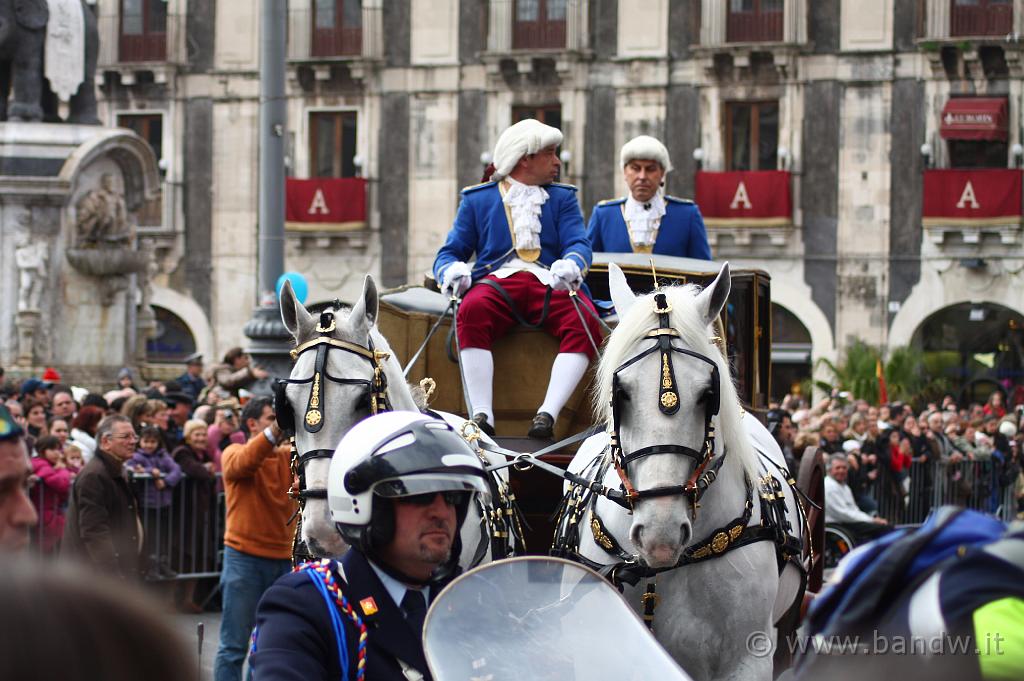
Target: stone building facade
843 95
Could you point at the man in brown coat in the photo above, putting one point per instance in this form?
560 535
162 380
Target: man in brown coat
103 528
236 372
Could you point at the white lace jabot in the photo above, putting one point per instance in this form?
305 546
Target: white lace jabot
524 202
643 219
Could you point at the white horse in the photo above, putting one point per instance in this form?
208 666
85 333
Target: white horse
344 370
718 597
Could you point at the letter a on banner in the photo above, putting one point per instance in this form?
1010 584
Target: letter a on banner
319 204
967 197
741 198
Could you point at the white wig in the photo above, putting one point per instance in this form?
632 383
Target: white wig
525 137
645 148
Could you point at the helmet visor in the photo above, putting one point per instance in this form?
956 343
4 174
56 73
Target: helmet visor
413 485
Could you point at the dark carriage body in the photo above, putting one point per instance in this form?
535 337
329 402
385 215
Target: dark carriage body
523 358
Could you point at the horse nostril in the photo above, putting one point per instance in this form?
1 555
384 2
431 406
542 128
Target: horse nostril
636 535
684 534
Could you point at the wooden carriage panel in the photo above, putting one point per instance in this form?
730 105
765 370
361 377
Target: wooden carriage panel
522 363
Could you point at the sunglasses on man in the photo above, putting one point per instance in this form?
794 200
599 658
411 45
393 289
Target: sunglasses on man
450 498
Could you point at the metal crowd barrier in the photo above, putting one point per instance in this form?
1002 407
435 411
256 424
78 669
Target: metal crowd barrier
183 541
971 484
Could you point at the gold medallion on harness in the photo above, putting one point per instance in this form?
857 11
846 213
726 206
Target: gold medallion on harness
669 400
735 532
600 537
313 417
528 254
720 542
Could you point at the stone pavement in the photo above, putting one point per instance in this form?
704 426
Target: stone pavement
187 625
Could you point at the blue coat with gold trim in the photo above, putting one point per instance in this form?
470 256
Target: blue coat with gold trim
295 641
482 228
681 233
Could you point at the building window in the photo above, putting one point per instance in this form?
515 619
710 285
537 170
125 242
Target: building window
539 24
550 114
751 135
981 17
332 144
754 21
143 30
977 154
337 28
149 127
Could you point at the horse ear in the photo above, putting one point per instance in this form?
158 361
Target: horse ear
622 296
368 304
712 299
296 318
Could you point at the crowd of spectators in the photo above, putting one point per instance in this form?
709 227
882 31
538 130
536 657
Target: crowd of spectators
167 452
894 462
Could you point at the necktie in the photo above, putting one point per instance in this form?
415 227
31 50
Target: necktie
414 605
647 206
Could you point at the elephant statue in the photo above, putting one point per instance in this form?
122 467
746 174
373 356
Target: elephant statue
23 25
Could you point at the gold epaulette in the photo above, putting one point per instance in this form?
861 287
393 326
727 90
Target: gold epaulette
611 202
566 186
474 187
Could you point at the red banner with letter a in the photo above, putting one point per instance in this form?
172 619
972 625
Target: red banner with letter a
972 197
326 204
758 198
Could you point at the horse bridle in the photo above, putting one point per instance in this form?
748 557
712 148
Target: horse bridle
668 403
313 419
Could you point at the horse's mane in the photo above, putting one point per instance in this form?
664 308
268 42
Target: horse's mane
694 335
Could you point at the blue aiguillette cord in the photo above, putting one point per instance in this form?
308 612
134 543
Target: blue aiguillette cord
339 629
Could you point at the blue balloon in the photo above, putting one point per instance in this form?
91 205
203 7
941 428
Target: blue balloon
299 285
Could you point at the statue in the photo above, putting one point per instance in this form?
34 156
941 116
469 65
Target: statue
103 216
30 256
60 34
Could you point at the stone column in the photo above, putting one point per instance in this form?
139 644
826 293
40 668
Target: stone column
577 21
936 19
712 23
373 29
499 33
28 326
794 21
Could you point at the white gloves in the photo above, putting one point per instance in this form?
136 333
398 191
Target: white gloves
566 275
456 279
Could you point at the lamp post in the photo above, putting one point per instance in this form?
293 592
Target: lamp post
268 338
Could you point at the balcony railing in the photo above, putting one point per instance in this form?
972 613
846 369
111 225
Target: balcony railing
984 17
755 25
307 41
116 47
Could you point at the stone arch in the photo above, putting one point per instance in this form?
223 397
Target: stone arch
131 153
922 304
797 300
191 314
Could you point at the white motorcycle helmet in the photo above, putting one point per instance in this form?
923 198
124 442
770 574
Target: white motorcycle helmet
398 454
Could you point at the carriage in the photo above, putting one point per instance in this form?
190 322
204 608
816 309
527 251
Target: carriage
524 356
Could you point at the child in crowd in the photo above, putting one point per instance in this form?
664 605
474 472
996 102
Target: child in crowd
50 495
74 459
158 473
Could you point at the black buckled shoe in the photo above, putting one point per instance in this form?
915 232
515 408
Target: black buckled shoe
481 421
543 427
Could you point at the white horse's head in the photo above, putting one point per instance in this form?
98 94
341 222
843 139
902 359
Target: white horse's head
661 398
341 376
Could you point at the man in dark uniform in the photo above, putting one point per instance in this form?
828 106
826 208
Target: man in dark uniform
398 496
647 220
526 233
192 382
